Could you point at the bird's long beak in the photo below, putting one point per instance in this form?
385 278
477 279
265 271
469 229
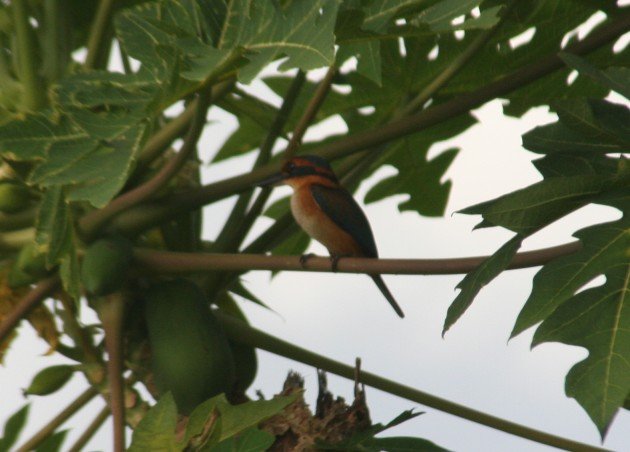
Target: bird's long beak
273 180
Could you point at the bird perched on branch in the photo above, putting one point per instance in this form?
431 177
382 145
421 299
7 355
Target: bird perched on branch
329 213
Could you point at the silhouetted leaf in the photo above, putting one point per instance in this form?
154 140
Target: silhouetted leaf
50 380
13 427
599 320
604 247
475 280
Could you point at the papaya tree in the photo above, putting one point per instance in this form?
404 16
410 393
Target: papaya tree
102 108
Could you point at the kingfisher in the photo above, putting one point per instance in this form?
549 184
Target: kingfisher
328 213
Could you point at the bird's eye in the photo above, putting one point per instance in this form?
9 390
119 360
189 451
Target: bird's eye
290 166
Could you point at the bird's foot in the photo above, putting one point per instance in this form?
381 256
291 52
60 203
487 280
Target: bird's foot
305 257
334 260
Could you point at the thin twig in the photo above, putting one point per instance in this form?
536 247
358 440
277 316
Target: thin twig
243 333
42 290
175 262
149 215
239 222
89 432
97 32
145 191
309 113
62 417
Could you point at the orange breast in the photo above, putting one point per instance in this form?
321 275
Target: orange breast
319 226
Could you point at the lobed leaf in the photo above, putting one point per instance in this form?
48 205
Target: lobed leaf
475 280
604 247
597 319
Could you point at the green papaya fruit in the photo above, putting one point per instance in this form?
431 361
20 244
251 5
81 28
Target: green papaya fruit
245 359
32 261
29 266
190 354
13 197
105 265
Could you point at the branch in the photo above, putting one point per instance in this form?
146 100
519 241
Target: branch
309 114
34 93
245 334
149 215
176 262
97 32
62 417
26 304
89 432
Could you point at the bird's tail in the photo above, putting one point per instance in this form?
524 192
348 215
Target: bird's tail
383 288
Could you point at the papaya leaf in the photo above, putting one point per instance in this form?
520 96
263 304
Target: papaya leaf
500 56
251 440
599 320
526 210
156 430
475 280
584 126
303 31
50 379
615 78
418 177
235 419
439 16
574 164
31 137
13 427
604 247
238 418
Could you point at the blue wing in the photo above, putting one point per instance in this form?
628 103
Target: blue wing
344 211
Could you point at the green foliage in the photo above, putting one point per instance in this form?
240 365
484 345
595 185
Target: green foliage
577 171
105 265
49 380
13 427
213 424
75 136
367 440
